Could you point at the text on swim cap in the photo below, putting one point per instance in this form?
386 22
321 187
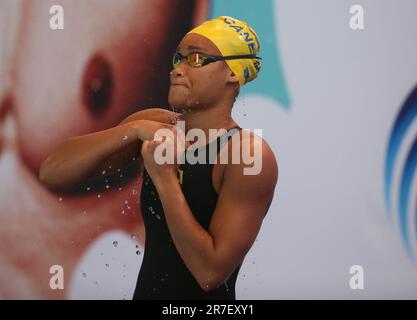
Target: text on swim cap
251 41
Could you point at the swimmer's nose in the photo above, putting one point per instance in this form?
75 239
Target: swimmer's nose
178 71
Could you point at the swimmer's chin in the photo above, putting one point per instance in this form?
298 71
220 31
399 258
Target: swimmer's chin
178 103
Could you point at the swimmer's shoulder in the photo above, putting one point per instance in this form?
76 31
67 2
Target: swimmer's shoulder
256 148
261 172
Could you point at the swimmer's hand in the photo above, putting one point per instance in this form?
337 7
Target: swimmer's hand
148 129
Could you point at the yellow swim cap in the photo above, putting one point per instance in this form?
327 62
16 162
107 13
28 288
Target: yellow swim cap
234 37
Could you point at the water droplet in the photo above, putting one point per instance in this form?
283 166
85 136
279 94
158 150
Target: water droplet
124 138
60 199
115 243
137 246
227 287
134 158
244 114
126 202
109 167
120 189
134 191
158 217
162 279
99 196
124 276
84 274
128 207
123 212
104 172
72 241
88 188
107 186
138 252
95 282
107 265
118 170
84 212
133 236
121 175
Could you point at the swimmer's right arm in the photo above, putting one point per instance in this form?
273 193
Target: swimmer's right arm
82 158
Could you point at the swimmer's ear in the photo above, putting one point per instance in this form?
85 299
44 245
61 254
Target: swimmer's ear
232 78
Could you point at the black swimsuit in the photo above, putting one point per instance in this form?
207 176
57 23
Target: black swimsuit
163 274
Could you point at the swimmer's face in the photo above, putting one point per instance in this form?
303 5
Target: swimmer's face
201 87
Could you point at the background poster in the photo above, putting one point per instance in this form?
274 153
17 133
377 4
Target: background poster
336 100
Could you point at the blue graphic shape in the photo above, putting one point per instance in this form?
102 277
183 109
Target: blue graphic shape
405 188
260 16
404 120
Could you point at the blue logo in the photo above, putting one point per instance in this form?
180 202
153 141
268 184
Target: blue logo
406 117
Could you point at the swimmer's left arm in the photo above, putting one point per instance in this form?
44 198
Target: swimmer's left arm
242 204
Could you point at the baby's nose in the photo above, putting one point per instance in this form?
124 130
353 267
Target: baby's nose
7 123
